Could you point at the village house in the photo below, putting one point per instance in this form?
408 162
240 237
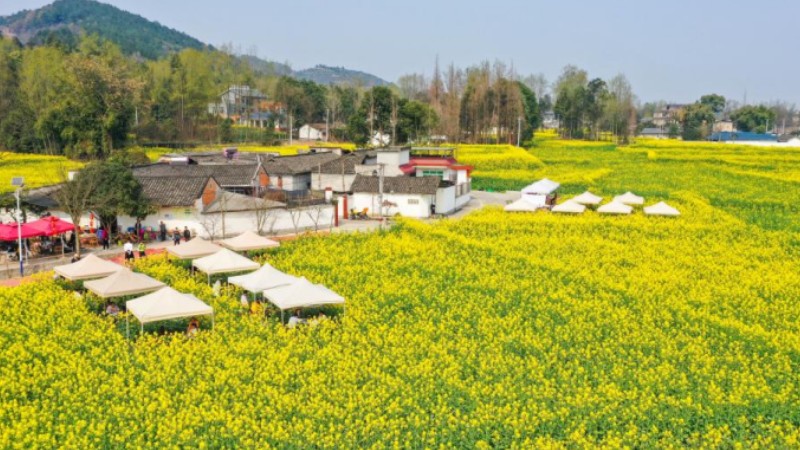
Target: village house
313 132
418 182
247 106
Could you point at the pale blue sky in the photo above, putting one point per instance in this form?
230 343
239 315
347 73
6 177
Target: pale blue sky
674 50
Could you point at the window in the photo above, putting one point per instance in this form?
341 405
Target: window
413 201
432 173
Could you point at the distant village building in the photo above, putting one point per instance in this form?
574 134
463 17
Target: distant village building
723 126
313 132
654 133
248 106
669 114
742 136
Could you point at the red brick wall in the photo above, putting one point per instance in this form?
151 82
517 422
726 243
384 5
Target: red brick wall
209 192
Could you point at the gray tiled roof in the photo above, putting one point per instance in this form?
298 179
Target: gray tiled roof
232 202
346 163
178 191
225 174
397 185
295 164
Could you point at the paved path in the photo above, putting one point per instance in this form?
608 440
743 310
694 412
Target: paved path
479 200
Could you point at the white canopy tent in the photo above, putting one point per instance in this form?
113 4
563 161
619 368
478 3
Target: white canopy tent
615 208
267 277
196 248
521 205
224 261
123 282
587 198
661 209
302 294
541 187
166 304
629 198
569 206
87 268
249 241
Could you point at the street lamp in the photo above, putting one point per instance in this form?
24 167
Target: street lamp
19 182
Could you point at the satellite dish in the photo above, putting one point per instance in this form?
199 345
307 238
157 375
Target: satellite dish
18 181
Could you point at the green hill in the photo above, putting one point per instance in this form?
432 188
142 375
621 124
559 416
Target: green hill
64 19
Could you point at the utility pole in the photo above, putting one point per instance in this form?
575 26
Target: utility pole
19 182
519 129
290 128
380 194
327 126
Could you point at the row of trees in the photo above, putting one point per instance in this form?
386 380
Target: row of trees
586 107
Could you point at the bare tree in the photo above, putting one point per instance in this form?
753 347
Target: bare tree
211 223
264 215
77 197
315 213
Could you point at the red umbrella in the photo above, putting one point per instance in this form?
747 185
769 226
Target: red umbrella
48 226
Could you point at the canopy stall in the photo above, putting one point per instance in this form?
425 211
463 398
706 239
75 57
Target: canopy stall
50 226
302 294
541 187
521 205
267 277
123 282
9 232
569 206
587 198
224 261
629 198
248 241
166 304
196 248
615 208
661 209
87 268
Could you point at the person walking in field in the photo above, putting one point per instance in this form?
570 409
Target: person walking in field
162 231
142 249
176 237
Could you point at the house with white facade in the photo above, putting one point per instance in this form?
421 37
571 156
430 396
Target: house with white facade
313 132
202 205
417 182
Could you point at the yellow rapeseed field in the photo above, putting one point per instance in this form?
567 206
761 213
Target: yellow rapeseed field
38 170
496 330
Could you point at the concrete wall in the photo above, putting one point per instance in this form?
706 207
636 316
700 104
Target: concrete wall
445 200
406 205
339 183
279 221
310 133
393 160
297 182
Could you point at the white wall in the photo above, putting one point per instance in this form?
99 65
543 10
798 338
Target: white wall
297 182
279 221
393 160
420 209
445 200
339 183
310 133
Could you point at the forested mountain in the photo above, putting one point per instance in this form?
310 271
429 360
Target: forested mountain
62 20
339 75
